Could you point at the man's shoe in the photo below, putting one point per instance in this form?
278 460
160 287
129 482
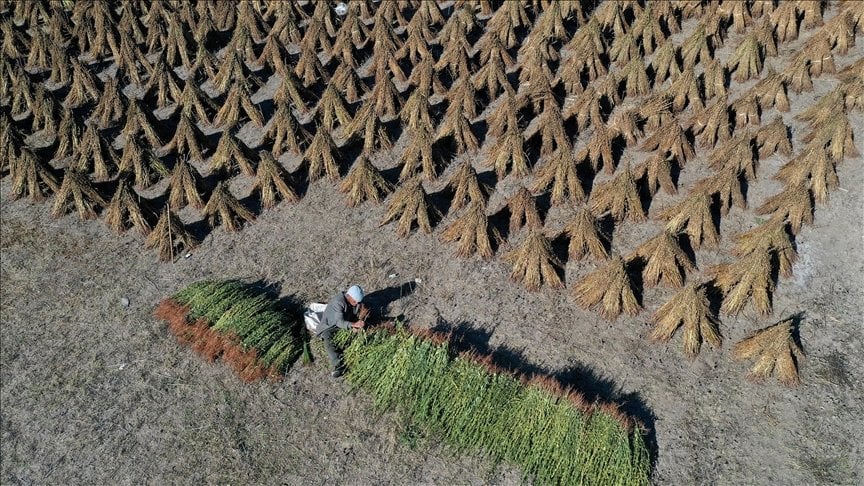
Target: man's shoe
337 372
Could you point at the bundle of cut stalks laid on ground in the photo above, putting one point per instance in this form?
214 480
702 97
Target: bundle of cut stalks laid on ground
237 324
535 423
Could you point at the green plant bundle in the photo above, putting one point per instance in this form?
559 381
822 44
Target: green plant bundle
550 435
234 308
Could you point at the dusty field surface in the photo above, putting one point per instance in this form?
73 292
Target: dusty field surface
95 390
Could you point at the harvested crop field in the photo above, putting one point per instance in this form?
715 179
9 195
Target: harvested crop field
559 185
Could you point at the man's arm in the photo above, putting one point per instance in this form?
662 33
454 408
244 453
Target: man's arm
335 314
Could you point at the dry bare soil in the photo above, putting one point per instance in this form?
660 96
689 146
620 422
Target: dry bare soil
95 390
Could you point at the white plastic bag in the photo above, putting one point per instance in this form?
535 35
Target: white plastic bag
313 315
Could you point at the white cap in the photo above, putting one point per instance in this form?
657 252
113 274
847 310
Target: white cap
356 293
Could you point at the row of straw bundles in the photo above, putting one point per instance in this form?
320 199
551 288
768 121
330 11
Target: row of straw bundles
549 432
232 321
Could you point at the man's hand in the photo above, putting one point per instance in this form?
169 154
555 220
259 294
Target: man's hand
358 325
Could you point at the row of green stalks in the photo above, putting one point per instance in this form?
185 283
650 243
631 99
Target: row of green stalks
550 432
234 321
534 423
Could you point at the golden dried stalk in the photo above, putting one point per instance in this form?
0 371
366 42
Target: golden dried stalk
471 232
636 82
416 45
375 134
670 140
456 126
585 237
364 183
68 136
225 208
775 349
523 211
187 140
655 110
813 164
164 85
111 105
608 287
77 190
624 123
770 237
600 148
818 52
747 279
139 119
492 75
712 124
232 71
824 108
835 135
415 113
84 87
737 155
142 163
714 79
462 97
841 32
797 75
409 204
619 197
685 91
665 62
693 216
785 21
230 156
585 108
331 108
689 307
170 237
290 92
698 46
271 182
656 173
583 58
773 138
31 176
738 13
385 97
726 185
284 131
204 64
44 111
321 156
770 91
793 204
95 154
624 49
274 56
418 156
466 186
559 170
127 210
195 102
665 261
309 68
507 153
533 263
184 186
177 43
747 59
423 76
238 101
